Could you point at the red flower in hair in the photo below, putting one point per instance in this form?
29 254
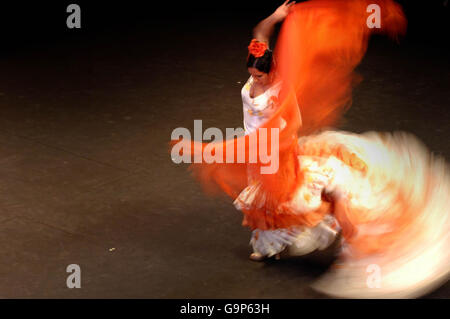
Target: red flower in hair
257 48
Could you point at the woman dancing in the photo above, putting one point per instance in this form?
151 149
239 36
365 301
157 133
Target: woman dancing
386 191
260 96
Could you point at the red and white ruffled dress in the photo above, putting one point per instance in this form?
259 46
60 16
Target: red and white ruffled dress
300 240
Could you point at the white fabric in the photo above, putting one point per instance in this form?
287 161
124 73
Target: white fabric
299 240
259 109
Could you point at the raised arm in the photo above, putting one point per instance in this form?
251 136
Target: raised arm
263 30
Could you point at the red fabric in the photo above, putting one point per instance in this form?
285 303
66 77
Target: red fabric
319 45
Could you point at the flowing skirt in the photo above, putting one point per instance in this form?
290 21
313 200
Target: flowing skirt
392 207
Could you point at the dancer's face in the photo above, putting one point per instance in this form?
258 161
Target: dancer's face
259 77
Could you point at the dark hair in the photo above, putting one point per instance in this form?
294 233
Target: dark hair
262 64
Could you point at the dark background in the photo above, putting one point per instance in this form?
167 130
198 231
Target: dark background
24 23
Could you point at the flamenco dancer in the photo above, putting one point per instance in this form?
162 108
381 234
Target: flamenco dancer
385 191
259 96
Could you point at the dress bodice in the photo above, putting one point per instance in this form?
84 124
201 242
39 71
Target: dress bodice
257 110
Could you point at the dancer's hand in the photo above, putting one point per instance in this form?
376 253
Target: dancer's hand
282 11
263 31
